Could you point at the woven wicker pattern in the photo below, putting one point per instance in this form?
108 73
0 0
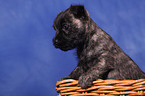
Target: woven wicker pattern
107 87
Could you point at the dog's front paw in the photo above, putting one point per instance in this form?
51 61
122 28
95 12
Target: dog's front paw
84 81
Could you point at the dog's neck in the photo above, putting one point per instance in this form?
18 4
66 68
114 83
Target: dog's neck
92 33
90 30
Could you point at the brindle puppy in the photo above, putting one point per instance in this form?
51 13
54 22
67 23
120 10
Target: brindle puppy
99 56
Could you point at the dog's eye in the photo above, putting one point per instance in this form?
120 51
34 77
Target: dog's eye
66 27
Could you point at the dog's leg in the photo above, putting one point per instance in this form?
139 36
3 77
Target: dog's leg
99 70
75 74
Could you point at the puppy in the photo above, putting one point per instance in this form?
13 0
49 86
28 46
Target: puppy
99 56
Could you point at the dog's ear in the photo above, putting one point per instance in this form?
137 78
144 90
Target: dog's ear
79 12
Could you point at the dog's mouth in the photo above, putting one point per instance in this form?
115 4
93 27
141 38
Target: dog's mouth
63 47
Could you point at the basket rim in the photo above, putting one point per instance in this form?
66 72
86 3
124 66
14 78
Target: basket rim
112 87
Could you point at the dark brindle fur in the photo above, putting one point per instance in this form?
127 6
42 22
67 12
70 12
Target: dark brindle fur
99 56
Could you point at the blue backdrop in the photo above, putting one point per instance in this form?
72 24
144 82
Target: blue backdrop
29 63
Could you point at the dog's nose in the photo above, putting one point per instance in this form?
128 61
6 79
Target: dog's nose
55 41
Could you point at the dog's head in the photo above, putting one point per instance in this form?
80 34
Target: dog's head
70 26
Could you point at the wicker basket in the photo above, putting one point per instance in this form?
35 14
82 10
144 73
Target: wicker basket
109 87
